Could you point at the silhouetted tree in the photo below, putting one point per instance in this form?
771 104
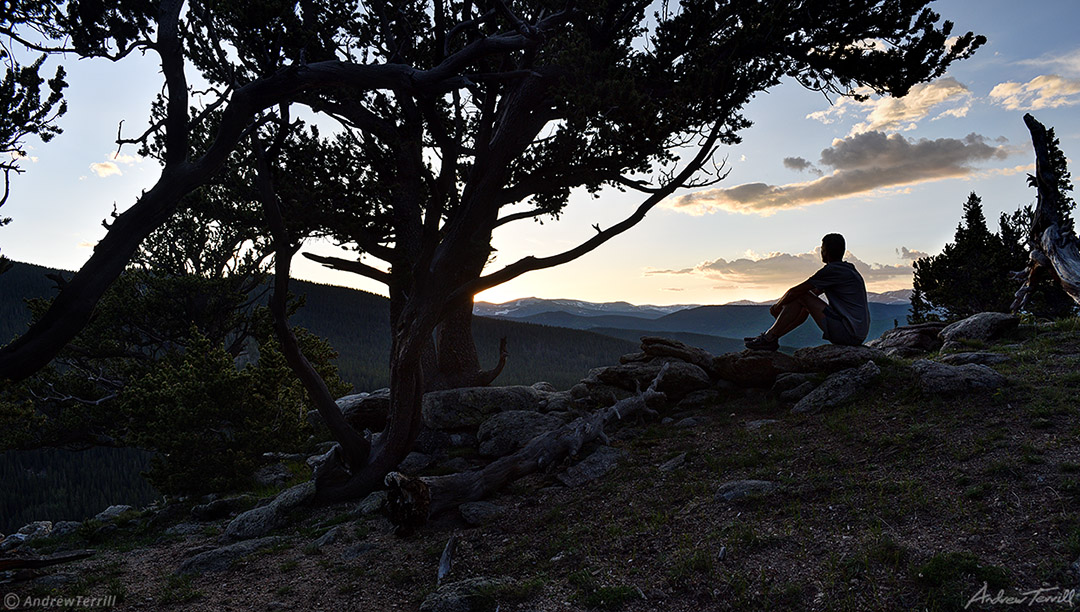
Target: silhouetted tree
462 111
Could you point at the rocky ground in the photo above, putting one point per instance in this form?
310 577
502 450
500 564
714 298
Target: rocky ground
868 479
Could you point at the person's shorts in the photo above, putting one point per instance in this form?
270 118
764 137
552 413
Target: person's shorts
836 329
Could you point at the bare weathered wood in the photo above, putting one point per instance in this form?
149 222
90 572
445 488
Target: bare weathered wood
39 561
416 499
1051 248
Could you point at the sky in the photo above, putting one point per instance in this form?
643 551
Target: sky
891 175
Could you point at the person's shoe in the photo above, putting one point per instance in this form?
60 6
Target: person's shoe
762 343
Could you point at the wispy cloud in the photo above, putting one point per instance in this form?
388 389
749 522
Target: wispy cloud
910 255
861 164
1046 91
1068 63
901 114
111 167
781 270
105 169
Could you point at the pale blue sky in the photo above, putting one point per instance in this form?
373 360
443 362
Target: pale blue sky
890 175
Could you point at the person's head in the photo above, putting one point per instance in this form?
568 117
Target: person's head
832 248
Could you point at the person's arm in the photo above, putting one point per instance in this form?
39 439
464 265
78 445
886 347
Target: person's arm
792 294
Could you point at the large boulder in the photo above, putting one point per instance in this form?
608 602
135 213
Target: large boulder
681 379
838 388
220 559
831 358
982 327
264 519
506 432
471 406
941 379
633 376
654 346
909 340
469 595
754 368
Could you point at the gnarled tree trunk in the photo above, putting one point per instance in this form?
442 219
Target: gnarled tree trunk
1051 248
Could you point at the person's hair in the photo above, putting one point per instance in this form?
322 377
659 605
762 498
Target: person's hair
833 246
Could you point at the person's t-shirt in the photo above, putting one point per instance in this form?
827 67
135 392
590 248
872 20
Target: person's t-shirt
846 292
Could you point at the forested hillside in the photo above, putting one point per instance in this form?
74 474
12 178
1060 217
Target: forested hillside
356 324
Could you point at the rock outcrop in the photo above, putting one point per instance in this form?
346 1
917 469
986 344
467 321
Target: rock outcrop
829 358
942 379
982 327
264 519
909 340
754 368
838 388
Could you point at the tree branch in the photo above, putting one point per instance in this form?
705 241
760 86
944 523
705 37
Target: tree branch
345 265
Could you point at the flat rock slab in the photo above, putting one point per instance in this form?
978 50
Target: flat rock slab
222 558
469 407
754 368
909 340
740 489
602 461
264 519
472 594
942 379
975 357
983 327
831 358
838 388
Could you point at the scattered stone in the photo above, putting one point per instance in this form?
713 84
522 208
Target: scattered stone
111 513
35 531
666 347
740 489
754 368
372 504
909 340
976 357
356 551
469 407
544 387
689 423
758 424
64 528
506 432
830 358
941 379
414 462
982 327
480 513
273 475
264 519
838 388
184 529
602 461
220 559
792 396
674 463
469 595
699 399
336 533
221 508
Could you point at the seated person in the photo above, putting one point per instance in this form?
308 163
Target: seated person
845 319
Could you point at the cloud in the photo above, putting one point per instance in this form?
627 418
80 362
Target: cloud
908 255
1068 63
862 164
111 167
86 244
901 114
786 270
105 169
801 165
1046 91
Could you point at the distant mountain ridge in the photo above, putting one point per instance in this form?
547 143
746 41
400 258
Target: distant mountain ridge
527 307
